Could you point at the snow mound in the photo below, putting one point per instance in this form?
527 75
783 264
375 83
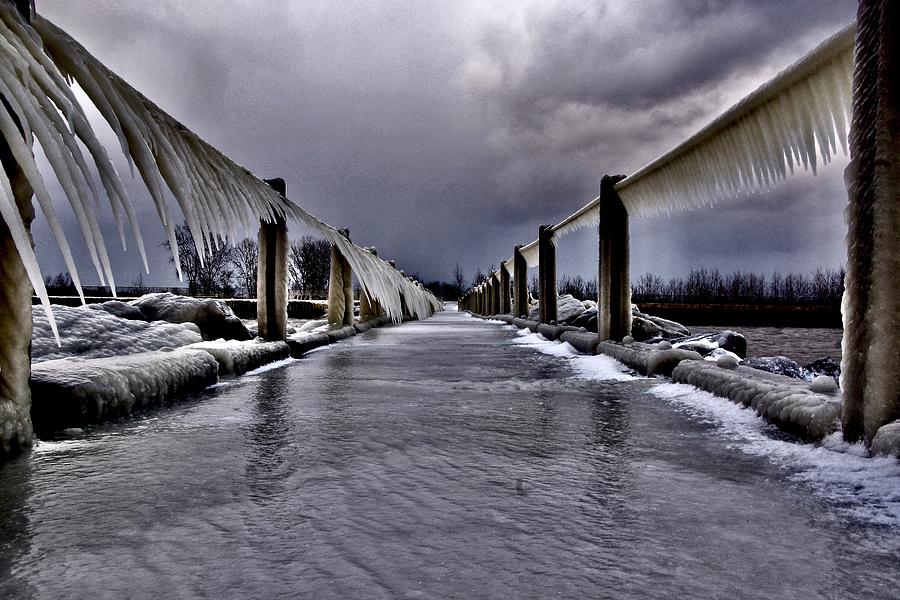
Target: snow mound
787 402
214 318
238 357
91 333
73 392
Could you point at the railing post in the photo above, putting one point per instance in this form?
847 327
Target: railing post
495 293
340 290
614 284
520 283
272 279
547 273
871 304
504 291
15 306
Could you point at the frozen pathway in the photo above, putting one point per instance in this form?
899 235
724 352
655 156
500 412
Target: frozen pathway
430 460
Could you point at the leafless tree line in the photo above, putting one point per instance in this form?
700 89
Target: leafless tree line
709 285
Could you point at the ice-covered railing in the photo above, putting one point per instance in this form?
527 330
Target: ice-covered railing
216 196
793 120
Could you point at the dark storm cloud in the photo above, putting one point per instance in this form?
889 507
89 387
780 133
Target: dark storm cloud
444 132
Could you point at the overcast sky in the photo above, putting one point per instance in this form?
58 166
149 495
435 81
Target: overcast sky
444 132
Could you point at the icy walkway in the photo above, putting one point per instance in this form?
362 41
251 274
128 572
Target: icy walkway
439 460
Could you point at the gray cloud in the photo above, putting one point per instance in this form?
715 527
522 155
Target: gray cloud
444 132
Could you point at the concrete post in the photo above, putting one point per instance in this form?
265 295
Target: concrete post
547 273
871 304
15 309
614 289
340 290
504 291
520 283
272 278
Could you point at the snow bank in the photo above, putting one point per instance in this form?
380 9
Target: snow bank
865 488
91 333
238 357
789 403
73 392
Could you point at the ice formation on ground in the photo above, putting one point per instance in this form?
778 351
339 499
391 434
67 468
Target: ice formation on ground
90 333
865 488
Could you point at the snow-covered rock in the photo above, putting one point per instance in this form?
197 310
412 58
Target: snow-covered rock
887 440
88 332
120 309
587 319
214 318
73 392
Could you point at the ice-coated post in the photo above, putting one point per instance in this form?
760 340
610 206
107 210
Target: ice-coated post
504 291
272 279
492 295
520 283
340 291
871 305
547 274
495 293
369 308
614 289
15 308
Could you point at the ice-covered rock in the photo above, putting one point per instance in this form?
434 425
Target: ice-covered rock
534 312
88 332
589 304
214 318
568 308
727 361
73 392
645 327
780 365
704 343
887 440
824 366
587 319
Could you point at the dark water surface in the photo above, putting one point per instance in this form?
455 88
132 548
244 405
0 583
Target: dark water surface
430 460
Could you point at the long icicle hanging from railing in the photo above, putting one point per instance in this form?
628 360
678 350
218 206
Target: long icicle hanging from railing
773 131
216 196
760 140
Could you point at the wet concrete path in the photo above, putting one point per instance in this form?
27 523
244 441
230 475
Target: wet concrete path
429 460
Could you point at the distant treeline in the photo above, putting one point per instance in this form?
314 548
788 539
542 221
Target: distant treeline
825 286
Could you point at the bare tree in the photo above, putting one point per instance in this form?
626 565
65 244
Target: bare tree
310 262
246 263
212 277
459 279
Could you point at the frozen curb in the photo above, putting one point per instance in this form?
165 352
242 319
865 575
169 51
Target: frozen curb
786 402
237 358
73 392
646 360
